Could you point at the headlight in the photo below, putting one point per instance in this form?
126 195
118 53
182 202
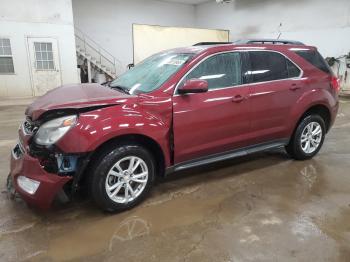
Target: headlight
50 132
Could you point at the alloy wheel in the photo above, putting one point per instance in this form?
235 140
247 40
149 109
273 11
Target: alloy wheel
127 179
311 137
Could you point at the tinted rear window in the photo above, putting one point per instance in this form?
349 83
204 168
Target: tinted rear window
314 58
293 70
269 66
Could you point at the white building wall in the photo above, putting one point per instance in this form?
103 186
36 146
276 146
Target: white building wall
109 22
36 18
323 23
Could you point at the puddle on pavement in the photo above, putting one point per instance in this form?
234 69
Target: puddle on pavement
207 202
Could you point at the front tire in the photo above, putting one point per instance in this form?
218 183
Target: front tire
122 177
308 138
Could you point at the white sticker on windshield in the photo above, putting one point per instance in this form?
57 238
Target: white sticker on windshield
176 62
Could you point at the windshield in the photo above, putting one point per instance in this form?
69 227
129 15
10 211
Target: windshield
151 73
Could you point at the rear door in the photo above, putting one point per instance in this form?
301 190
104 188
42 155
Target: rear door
276 86
215 121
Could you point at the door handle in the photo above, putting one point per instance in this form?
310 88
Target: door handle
237 99
294 87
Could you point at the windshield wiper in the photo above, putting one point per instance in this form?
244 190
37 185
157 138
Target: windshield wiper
121 88
107 83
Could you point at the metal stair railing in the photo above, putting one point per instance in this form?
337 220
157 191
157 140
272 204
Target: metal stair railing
98 55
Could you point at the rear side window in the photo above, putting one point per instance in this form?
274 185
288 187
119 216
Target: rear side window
269 66
293 70
314 58
222 70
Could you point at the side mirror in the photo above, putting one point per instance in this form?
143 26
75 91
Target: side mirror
193 86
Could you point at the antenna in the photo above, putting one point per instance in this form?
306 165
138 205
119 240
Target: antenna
279 31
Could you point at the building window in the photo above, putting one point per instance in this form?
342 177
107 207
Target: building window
44 56
6 61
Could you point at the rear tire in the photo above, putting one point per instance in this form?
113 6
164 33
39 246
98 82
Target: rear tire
308 138
121 177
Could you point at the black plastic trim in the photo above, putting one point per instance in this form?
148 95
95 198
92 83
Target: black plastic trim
212 43
227 155
268 41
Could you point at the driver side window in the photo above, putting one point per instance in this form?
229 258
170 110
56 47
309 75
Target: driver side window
222 70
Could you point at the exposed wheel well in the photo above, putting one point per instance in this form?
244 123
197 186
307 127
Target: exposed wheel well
141 140
320 110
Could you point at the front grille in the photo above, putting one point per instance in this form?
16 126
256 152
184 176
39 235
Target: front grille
29 128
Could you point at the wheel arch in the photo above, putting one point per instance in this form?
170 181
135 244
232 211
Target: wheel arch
147 142
292 147
319 109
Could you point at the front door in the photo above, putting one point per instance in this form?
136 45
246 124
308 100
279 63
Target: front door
215 121
44 64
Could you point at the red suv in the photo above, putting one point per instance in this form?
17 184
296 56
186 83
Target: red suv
175 110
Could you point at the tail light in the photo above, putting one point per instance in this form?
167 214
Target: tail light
335 83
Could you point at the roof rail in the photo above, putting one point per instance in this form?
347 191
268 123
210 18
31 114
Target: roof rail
213 43
268 41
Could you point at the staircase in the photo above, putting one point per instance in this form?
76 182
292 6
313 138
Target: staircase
97 57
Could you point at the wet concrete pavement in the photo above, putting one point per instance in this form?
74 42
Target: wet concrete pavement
264 207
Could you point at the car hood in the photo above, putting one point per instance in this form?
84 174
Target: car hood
76 97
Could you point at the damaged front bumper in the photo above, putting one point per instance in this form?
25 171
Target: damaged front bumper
29 179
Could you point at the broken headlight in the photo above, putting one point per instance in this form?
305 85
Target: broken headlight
51 131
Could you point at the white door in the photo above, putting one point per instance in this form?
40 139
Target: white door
44 61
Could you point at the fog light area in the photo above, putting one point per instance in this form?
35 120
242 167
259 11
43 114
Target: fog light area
28 185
